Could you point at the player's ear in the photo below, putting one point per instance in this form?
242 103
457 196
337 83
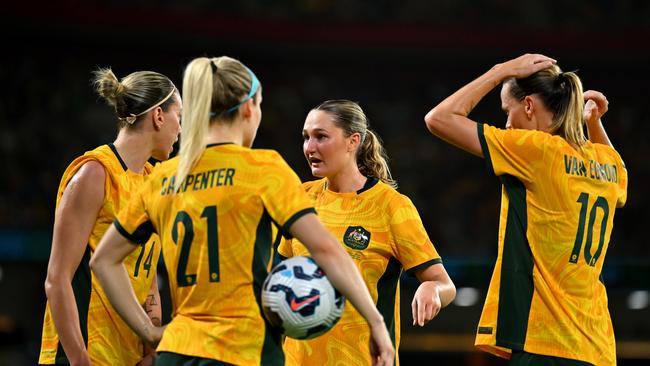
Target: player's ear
157 118
353 141
529 106
246 109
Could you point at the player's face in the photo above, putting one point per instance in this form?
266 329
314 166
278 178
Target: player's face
515 110
169 131
325 145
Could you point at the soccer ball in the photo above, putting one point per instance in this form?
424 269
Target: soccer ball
298 297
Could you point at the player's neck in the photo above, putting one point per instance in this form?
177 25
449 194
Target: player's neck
132 150
220 133
346 180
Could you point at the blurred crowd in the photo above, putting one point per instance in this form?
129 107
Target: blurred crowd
49 113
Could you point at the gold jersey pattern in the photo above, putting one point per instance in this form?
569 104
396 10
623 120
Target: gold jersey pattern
383 233
108 339
546 295
216 234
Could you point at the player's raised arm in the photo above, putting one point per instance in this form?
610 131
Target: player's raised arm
448 120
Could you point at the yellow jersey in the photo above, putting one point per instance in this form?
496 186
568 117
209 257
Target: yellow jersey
216 234
383 233
546 295
108 339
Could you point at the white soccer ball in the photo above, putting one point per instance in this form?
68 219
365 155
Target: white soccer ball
298 298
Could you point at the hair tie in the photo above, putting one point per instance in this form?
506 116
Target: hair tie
214 66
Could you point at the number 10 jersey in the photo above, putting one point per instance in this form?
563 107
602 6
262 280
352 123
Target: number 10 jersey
546 295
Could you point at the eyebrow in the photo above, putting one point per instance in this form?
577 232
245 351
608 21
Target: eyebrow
316 130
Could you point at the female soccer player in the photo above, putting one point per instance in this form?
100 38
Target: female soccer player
80 326
546 304
379 227
213 209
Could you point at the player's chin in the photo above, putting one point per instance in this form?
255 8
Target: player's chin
161 155
318 172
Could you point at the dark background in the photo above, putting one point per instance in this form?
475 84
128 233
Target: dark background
398 59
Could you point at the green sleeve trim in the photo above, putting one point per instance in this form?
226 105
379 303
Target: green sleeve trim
484 147
287 225
411 271
140 236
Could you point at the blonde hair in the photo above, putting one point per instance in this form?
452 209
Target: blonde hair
211 88
135 94
371 155
561 92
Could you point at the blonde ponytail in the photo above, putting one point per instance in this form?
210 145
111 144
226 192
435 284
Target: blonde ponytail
570 123
213 88
197 96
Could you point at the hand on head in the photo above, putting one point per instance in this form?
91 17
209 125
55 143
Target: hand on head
596 105
525 65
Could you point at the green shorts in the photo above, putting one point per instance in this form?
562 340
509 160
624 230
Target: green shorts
521 358
175 359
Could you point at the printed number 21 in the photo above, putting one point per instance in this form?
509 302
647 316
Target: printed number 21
182 277
601 203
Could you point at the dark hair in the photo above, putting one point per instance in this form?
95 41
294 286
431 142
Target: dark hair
134 94
561 92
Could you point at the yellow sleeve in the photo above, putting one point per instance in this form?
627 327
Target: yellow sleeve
513 152
283 196
413 247
285 249
622 183
133 220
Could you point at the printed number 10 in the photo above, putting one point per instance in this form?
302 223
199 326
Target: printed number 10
601 203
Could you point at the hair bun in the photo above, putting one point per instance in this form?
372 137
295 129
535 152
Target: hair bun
108 86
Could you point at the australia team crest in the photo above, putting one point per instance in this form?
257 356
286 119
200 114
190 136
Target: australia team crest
356 237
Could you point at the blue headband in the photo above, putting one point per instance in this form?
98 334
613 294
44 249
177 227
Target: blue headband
255 84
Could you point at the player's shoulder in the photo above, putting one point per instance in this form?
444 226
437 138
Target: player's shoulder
264 156
167 167
518 134
315 185
606 150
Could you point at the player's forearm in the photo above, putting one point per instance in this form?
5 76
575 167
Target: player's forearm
152 303
116 284
63 308
446 291
597 133
465 99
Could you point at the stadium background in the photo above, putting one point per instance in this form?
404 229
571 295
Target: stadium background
398 59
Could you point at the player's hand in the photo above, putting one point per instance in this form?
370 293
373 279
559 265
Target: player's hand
426 303
382 351
154 335
524 65
80 359
596 105
148 360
